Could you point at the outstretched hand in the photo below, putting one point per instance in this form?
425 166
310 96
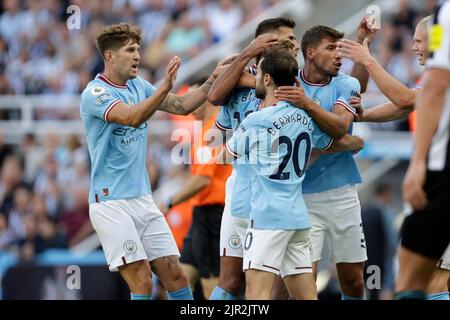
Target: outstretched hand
359 54
171 73
367 29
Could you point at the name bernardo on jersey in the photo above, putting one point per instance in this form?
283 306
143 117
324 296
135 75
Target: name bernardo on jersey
287 119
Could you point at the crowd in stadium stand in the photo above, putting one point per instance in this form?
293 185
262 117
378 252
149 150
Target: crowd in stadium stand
44 181
39 54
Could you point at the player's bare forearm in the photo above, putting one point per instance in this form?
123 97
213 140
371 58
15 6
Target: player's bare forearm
194 99
141 112
366 32
346 143
226 81
247 80
361 74
329 122
396 91
193 185
429 107
184 105
386 112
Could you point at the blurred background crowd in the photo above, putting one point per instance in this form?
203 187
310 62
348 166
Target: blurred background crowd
44 180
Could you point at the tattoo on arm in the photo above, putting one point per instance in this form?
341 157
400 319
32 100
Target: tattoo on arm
172 104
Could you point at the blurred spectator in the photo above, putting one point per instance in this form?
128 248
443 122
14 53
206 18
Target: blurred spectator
21 210
32 157
10 179
224 18
186 38
381 240
48 185
5 149
153 20
405 15
75 220
39 54
11 20
48 236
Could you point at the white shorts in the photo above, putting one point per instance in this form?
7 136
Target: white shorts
232 229
336 218
282 252
131 230
445 263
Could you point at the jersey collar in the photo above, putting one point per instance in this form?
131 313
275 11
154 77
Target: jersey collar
102 77
302 76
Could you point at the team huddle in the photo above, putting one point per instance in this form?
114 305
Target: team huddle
287 131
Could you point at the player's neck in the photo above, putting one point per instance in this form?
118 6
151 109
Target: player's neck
312 75
114 77
269 99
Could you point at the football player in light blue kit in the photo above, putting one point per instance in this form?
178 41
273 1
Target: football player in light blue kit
278 140
240 102
401 105
231 278
329 188
114 109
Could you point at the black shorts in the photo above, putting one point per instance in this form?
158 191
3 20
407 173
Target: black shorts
427 231
201 245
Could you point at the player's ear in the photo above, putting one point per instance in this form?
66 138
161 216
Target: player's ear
108 55
267 79
310 53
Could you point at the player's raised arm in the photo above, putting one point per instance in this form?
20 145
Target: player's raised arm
348 142
386 112
184 105
141 112
397 92
331 123
366 33
230 77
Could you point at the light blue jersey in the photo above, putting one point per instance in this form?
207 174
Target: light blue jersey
241 103
118 152
278 141
334 170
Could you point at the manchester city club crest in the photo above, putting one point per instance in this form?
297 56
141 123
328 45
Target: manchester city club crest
235 241
129 247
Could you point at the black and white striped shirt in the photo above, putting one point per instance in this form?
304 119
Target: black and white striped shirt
439 153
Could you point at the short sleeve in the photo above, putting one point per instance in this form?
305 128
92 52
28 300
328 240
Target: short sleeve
149 89
244 136
439 39
348 87
320 140
223 121
98 101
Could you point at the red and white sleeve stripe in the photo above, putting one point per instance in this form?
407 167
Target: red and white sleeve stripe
231 151
329 144
342 103
109 108
221 127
